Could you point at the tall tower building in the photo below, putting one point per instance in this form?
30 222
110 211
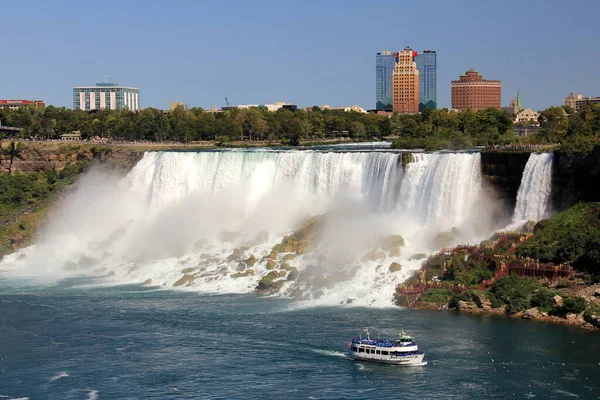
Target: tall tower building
384 68
427 66
106 95
405 96
473 92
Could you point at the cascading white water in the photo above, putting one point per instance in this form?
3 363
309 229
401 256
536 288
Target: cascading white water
182 212
533 197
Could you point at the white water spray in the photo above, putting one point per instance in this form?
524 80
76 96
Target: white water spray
185 213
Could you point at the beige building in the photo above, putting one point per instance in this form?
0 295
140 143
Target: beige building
405 84
577 101
526 116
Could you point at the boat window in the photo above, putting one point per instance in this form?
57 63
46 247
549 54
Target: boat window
378 352
368 351
354 348
361 350
384 353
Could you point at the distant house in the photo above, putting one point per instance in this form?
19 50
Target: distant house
74 136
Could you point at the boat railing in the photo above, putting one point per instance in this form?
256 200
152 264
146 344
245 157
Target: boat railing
382 342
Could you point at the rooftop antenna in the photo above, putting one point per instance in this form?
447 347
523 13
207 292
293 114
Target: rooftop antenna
107 77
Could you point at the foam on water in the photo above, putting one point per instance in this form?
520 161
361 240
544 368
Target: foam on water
56 377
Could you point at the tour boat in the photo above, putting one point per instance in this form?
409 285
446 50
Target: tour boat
403 351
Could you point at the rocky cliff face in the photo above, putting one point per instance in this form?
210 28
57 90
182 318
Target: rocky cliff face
36 157
502 173
575 178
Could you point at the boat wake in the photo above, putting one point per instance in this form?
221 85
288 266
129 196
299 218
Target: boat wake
331 353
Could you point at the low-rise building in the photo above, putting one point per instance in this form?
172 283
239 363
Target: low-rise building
74 136
16 104
473 92
577 101
354 108
527 116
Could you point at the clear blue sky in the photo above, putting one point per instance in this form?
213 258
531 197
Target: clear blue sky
306 52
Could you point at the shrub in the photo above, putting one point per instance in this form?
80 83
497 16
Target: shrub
571 305
436 295
513 291
543 298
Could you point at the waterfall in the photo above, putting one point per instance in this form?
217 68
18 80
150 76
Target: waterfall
533 198
186 213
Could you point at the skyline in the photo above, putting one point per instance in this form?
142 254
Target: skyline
199 54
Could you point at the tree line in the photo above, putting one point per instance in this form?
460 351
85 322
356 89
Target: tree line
432 129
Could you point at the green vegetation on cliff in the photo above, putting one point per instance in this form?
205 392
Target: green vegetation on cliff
571 236
25 200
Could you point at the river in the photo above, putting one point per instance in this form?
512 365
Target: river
78 339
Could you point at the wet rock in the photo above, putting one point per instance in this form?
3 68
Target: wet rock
273 254
21 257
262 237
248 272
373 255
467 306
87 262
396 252
418 256
251 261
532 313
204 256
444 239
392 241
268 281
147 282
271 264
528 227
187 270
235 256
395 267
293 274
185 280
241 266
393 244
111 273
592 318
288 257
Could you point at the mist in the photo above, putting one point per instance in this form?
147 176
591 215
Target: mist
187 213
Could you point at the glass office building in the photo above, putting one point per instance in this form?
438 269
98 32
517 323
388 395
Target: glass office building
384 69
108 96
427 66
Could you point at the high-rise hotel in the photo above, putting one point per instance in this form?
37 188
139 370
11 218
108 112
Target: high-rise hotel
108 96
427 66
384 68
405 83
398 75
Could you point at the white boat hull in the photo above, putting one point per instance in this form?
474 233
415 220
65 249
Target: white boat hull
409 360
